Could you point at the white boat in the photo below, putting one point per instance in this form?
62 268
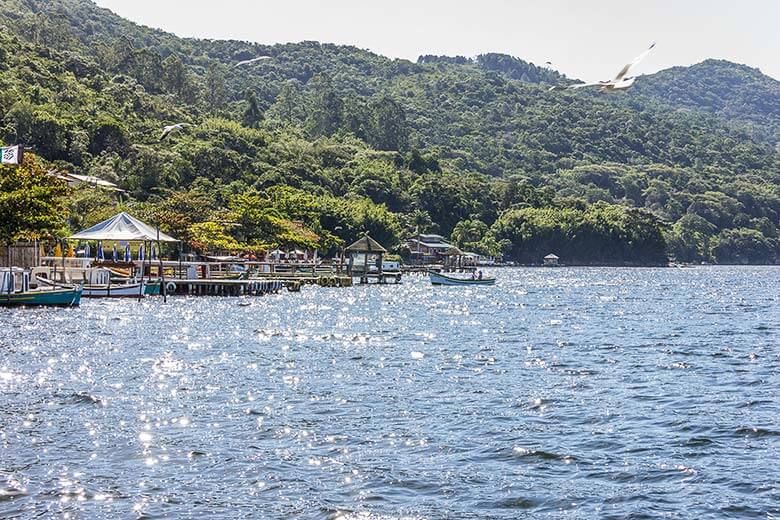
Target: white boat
117 290
124 290
443 279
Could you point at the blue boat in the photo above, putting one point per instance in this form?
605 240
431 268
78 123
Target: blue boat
443 279
70 297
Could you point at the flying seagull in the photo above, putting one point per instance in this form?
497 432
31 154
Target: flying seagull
621 82
253 60
173 129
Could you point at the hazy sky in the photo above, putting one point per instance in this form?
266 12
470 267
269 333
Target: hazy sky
590 40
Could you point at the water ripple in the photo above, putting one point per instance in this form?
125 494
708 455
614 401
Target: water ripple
559 393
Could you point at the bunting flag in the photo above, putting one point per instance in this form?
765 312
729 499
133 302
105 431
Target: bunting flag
11 155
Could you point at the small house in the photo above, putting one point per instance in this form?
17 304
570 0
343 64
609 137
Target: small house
551 260
428 248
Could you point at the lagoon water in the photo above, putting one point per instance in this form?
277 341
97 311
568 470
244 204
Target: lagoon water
558 393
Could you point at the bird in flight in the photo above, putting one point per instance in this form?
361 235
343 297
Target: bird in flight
173 129
253 60
621 82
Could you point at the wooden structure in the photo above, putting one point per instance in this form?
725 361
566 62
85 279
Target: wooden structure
453 259
551 260
20 254
427 249
367 248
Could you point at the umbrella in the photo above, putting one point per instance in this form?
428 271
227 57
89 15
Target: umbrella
100 255
114 254
141 253
127 253
153 256
87 251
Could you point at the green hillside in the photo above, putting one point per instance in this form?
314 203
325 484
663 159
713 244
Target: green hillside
324 142
738 93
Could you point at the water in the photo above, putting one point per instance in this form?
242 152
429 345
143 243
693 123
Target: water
559 393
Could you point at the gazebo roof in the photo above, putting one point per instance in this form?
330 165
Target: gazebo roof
366 245
122 227
551 256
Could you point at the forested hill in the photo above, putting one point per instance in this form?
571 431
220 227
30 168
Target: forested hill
323 142
735 92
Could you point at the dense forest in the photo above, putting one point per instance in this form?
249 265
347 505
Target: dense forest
322 143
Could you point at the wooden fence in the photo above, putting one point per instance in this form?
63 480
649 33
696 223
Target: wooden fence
22 255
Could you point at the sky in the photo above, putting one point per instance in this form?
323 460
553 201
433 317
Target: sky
588 40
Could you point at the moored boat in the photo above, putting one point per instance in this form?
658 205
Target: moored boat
152 288
124 290
118 290
443 279
68 297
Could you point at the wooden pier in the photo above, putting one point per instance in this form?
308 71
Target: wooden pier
248 287
224 278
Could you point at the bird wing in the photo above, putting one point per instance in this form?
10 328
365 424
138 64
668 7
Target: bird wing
585 85
625 70
164 134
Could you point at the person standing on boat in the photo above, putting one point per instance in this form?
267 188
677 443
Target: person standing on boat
479 274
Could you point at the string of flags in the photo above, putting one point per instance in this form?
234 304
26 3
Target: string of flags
11 154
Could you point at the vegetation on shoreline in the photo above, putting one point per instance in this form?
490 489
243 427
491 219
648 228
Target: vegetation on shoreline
323 143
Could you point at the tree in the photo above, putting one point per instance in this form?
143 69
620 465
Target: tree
211 237
327 110
174 74
388 130
216 89
467 233
252 115
288 105
32 203
745 246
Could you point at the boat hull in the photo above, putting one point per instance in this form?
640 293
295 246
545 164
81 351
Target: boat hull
51 298
119 290
151 288
443 279
132 290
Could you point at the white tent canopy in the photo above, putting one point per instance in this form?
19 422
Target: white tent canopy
122 227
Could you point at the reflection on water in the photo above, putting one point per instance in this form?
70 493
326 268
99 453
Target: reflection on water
557 393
